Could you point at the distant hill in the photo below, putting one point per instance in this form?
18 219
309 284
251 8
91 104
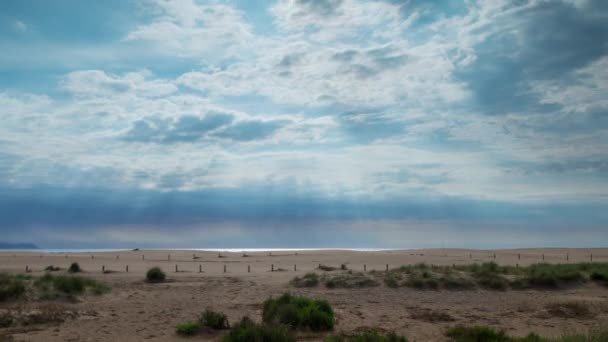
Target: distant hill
24 245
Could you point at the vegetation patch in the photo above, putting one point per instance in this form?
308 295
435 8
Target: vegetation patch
370 335
327 268
299 313
53 287
52 268
247 330
486 334
308 280
349 280
214 320
188 329
431 316
74 268
155 275
570 310
12 286
492 276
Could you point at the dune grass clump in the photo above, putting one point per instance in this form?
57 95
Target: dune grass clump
74 268
368 336
53 287
249 331
214 320
299 313
12 286
52 268
308 280
327 268
350 280
486 334
552 276
155 275
188 329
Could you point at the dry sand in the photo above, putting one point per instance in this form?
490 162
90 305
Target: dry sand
138 311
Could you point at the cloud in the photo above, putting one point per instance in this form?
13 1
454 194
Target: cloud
188 29
186 128
250 130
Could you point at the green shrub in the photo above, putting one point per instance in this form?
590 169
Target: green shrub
299 313
308 280
155 275
214 320
74 268
368 336
11 286
52 268
248 331
188 329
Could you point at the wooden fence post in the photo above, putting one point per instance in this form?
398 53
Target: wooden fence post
248 268
176 268
295 267
127 268
103 268
386 267
224 268
200 268
272 268
364 267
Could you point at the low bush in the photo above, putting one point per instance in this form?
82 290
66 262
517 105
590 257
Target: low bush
308 280
11 286
214 320
248 331
350 280
368 336
52 268
299 313
155 275
74 268
188 329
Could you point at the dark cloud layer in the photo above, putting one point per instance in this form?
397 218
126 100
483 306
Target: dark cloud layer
546 42
60 207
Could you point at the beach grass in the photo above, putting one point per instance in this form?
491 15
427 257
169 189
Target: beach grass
492 276
299 313
371 335
248 330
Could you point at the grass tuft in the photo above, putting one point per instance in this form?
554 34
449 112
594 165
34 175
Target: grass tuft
308 280
188 329
371 335
248 331
11 286
214 320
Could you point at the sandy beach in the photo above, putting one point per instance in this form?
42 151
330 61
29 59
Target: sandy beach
237 284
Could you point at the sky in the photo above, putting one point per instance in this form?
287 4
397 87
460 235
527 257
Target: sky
304 123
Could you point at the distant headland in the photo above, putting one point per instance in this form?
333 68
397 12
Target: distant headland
18 245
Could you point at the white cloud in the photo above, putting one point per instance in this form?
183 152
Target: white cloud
187 29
